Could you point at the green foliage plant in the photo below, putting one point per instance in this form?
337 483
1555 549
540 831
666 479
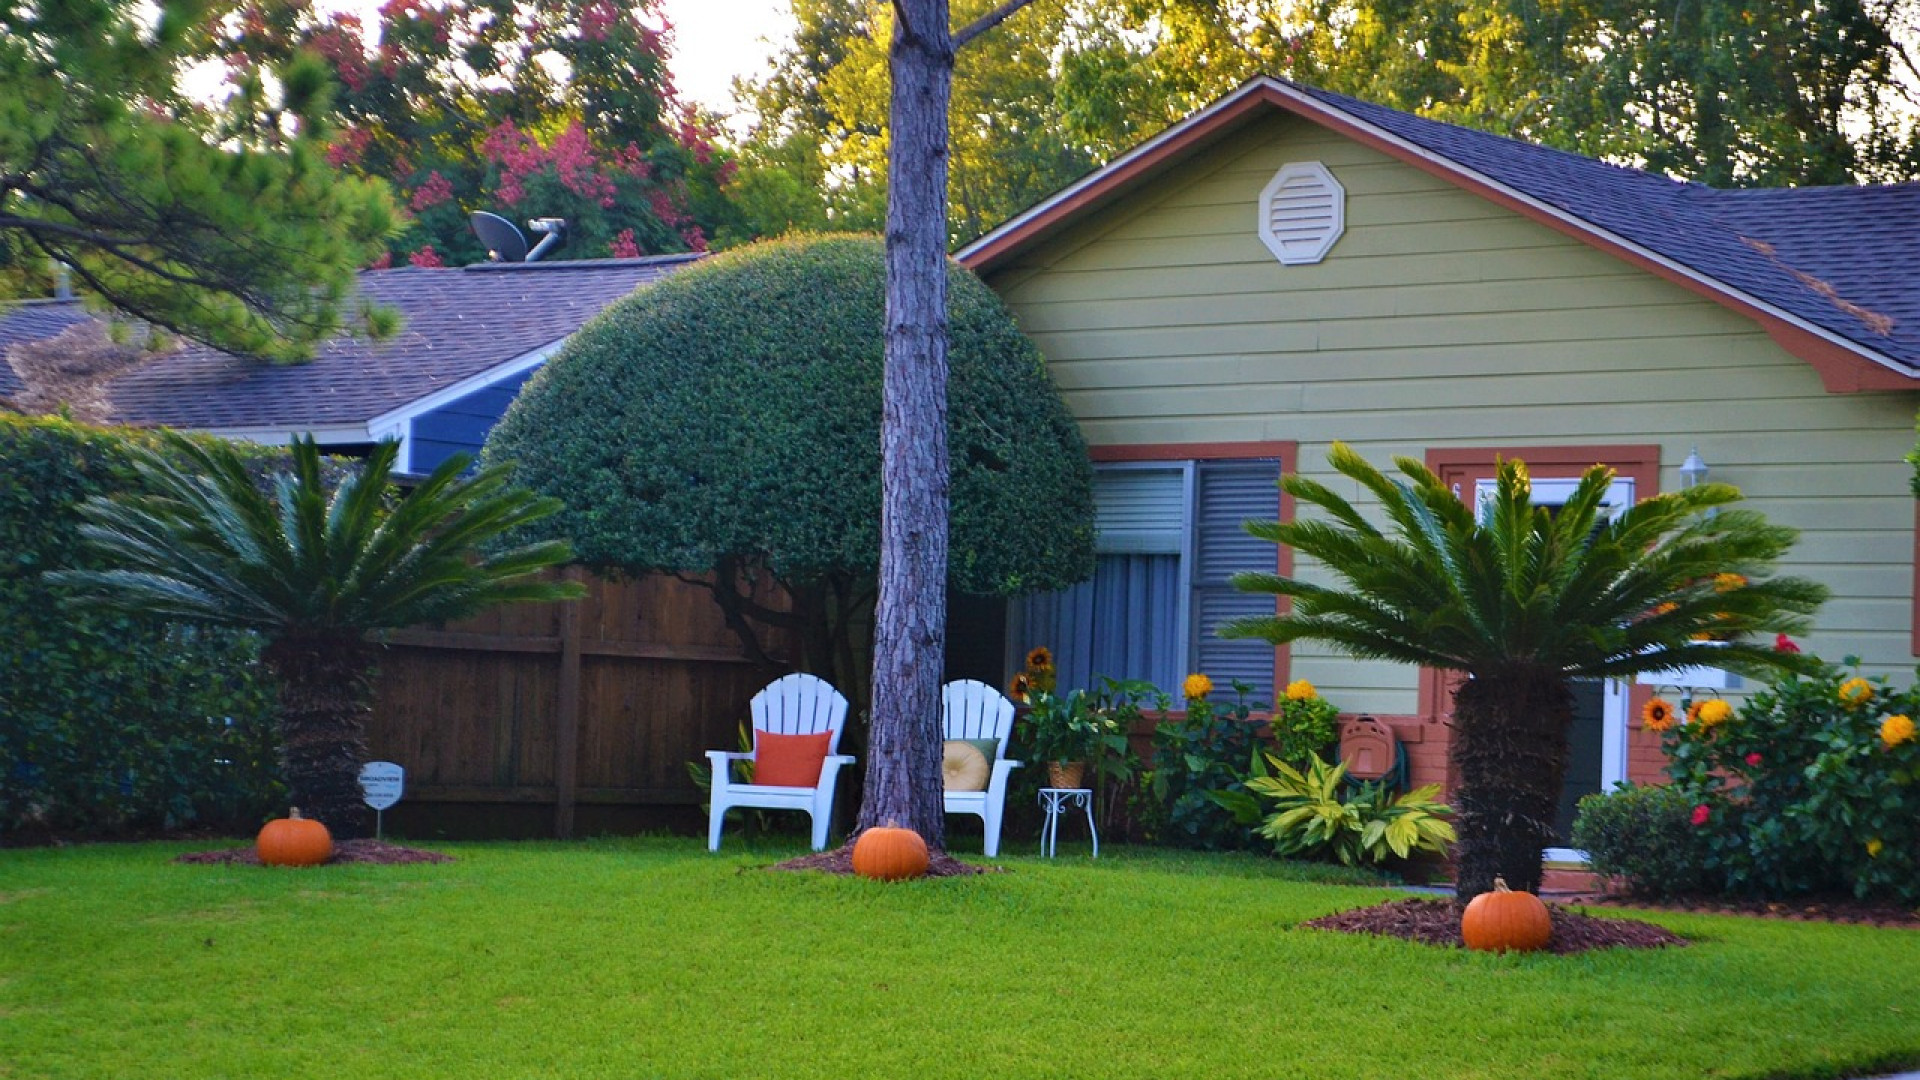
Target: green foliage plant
224 225
315 569
1525 598
1812 786
1304 725
1201 762
112 723
1313 817
724 424
1644 835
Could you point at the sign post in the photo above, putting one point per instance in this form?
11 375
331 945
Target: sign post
382 783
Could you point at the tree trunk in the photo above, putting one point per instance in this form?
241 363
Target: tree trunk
903 750
326 695
1510 745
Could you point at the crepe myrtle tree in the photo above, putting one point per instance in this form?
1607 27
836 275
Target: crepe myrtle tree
723 425
1522 599
317 569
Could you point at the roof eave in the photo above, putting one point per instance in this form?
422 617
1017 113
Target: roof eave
1844 365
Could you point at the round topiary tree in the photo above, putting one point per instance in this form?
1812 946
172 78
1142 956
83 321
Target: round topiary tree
725 423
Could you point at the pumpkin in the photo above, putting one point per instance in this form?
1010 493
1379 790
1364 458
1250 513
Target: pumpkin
294 841
890 853
1504 920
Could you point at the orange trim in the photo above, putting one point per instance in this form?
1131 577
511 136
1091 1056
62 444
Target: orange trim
1288 454
1466 465
1841 369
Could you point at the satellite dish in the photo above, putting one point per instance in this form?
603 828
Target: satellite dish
503 239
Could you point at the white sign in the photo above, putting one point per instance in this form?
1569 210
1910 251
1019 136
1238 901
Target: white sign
382 782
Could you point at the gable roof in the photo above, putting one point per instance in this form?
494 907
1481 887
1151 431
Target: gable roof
1823 270
33 320
458 324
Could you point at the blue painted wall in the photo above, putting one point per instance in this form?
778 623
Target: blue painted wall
461 426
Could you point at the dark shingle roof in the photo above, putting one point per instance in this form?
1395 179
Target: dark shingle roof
1841 258
33 320
458 323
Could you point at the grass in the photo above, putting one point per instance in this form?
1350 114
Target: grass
651 958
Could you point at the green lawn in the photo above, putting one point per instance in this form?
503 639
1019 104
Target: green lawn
651 958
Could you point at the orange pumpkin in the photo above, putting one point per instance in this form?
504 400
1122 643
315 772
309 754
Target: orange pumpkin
294 841
1504 920
890 853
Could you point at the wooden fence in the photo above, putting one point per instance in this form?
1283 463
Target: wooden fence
583 715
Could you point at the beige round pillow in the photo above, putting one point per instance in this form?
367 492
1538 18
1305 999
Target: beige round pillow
964 767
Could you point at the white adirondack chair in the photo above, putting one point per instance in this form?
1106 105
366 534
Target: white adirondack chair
797 704
970 709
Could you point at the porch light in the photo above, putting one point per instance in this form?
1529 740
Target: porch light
1693 471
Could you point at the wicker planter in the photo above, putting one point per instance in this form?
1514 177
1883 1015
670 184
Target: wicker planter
1066 774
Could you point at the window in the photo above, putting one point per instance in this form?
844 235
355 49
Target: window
1169 540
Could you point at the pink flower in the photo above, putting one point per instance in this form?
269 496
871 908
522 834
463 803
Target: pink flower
433 191
623 245
1754 759
1701 813
426 257
1783 643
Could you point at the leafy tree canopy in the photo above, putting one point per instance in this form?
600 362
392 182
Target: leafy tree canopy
224 225
560 109
728 419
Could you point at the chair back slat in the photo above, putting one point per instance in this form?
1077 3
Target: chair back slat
970 709
800 704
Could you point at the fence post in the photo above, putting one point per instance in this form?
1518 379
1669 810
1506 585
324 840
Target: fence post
566 741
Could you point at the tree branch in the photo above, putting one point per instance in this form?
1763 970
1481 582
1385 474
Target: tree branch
986 22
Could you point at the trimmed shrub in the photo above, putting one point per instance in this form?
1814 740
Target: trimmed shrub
111 724
1644 835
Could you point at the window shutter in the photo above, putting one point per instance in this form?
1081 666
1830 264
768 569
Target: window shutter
1302 213
1227 494
1139 511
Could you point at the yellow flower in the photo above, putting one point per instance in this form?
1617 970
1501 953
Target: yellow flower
1729 582
1301 690
1040 657
1856 691
1657 715
1664 607
1896 729
1712 713
1197 687
1874 847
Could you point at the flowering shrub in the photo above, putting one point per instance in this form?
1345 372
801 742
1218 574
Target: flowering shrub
1814 785
1304 725
1197 759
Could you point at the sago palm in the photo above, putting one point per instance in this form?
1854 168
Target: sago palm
1523 599
316 571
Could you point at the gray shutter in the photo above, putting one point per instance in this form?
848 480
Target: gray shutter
1228 493
1139 511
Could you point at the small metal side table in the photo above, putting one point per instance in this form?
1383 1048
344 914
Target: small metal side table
1055 799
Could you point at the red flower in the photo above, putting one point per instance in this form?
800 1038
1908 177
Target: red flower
1701 813
1754 759
1783 643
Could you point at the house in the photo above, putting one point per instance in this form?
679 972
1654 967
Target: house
1291 267
470 337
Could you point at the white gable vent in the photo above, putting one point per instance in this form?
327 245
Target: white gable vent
1302 212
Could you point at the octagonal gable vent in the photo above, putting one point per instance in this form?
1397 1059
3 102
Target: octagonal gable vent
1302 212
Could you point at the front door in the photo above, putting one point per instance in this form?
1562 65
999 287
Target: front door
1598 757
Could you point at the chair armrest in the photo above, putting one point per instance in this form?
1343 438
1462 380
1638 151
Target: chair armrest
1001 769
721 761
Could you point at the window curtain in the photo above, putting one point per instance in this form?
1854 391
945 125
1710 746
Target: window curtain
1123 624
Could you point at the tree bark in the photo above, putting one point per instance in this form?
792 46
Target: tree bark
903 749
326 695
1510 742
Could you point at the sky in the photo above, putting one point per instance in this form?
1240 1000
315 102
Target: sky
717 40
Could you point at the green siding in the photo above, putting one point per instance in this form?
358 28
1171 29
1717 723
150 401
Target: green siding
1442 320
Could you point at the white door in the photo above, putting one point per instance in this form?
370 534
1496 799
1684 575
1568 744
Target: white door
1599 739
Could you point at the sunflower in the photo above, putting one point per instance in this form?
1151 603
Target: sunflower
1657 716
1040 657
1197 687
1856 691
1301 690
1896 729
1710 714
1020 687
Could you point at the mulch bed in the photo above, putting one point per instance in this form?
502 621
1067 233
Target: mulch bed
346 851
1843 909
1437 922
840 861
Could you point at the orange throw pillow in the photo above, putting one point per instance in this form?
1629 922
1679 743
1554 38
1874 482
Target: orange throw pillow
789 760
